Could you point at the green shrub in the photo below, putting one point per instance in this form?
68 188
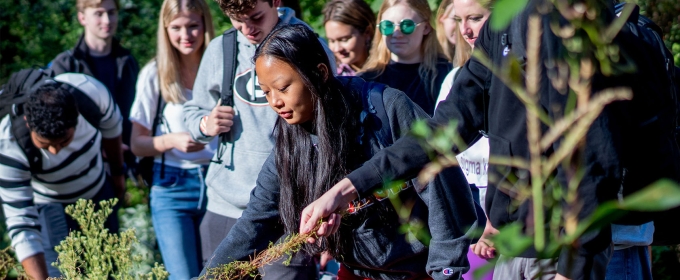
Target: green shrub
94 253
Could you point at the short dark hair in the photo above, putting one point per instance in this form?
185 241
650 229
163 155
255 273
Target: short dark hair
51 110
237 7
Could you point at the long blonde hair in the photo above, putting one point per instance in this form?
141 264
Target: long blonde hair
430 50
447 48
167 57
463 50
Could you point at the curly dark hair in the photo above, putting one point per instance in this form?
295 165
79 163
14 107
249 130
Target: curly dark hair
238 7
51 110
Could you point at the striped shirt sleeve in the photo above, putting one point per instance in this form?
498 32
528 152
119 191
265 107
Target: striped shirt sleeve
21 215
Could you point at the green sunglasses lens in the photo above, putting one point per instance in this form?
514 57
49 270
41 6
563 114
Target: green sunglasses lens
407 26
386 27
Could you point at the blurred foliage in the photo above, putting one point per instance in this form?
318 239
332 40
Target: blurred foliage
665 13
138 218
665 265
136 215
34 32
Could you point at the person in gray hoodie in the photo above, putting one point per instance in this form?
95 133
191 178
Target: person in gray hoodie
233 171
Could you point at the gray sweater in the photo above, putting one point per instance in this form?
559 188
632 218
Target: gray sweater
229 183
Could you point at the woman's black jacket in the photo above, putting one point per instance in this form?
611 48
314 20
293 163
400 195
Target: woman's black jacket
481 101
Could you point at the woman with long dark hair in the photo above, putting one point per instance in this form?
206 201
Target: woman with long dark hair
325 131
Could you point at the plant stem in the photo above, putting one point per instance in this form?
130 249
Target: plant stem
534 129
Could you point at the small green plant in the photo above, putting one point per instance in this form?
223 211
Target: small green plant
94 253
245 269
9 264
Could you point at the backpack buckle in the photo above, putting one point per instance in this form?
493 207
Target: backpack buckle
14 110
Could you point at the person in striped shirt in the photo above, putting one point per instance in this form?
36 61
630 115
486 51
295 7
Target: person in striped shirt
71 167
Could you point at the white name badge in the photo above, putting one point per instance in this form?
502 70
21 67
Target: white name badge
475 162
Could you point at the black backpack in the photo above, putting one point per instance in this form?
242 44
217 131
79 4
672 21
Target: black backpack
649 32
15 93
374 114
654 32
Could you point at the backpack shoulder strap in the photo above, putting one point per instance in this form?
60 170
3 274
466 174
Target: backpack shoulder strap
87 107
376 94
372 99
159 113
160 106
22 134
230 50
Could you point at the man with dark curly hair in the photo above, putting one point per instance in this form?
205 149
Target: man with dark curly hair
249 121
52 115
60 164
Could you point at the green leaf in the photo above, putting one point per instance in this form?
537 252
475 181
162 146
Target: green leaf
504 11
511 241
514 70
662 195
421 130
484 270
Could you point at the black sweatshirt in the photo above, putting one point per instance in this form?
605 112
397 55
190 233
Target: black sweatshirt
405 77
476 93
375 246
78 60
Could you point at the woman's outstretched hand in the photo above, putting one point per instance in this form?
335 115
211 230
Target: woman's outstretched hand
334 200
484 247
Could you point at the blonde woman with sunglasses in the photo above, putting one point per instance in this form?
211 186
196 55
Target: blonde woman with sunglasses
406 54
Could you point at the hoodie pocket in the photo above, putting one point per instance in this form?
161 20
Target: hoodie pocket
233 180
371 248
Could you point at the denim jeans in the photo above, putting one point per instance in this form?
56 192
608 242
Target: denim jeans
630 264
56 224
177 206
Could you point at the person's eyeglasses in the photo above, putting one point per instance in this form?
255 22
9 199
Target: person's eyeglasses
407 26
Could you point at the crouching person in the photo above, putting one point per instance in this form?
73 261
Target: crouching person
52 156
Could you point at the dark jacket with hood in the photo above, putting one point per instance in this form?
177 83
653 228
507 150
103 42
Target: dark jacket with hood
373 242
481 101
76 61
